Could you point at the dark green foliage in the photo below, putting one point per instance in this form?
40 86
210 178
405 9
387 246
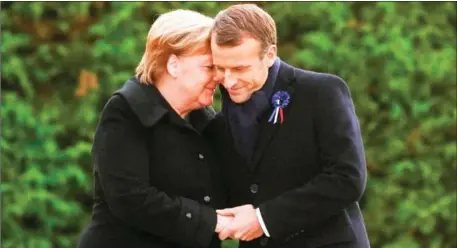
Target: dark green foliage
62 60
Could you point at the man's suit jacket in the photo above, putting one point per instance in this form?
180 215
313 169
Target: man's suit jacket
309 172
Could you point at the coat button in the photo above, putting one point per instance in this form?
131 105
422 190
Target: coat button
200 156
207 199
189 216
264 241
254 188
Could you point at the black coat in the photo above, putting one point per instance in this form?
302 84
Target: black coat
309 172
156 179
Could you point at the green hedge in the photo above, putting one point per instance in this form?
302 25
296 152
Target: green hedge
61 61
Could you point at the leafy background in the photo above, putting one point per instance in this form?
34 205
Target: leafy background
61 62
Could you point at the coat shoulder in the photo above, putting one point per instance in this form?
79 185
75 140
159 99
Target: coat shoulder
117 105
318 81
117 109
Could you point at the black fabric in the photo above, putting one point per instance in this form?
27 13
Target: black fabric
152 172
244 117
309 172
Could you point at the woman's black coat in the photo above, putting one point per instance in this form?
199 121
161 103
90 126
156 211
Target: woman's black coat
156 179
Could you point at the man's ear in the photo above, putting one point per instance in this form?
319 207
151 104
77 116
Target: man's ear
271 55
173 65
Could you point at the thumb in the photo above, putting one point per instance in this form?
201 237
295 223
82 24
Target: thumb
227 211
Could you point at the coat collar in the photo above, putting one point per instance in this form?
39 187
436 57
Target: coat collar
285 81
150 106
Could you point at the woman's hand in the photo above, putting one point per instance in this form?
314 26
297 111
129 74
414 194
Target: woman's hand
222 222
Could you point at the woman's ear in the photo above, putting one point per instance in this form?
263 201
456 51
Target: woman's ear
173 65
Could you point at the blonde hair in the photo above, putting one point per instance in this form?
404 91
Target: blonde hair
179 32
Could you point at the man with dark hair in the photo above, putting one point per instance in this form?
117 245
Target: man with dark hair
295 162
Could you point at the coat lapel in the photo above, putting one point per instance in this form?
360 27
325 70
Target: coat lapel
143 100
200 118
286 78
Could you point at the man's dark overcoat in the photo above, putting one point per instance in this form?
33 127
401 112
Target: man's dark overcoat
308 173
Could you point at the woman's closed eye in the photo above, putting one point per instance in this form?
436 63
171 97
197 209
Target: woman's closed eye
209 67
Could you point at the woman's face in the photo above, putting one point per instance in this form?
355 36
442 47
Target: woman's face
196 76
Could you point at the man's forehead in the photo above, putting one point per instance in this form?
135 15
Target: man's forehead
242 53
225 58
235 61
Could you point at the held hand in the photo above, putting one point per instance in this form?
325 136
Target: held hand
222 222
245 225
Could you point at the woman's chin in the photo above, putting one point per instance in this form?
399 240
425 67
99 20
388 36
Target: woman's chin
206 101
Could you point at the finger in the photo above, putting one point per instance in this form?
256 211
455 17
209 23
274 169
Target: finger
219 228
241 233
252 232
251 235
247 236
226 232
232 229
226 212
238 235
222 235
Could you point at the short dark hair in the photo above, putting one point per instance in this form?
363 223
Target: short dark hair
244 20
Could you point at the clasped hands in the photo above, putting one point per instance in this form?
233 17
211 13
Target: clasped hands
239 223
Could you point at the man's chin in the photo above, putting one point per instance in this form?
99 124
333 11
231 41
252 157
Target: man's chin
239 99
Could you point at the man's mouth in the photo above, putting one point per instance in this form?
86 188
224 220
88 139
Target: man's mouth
233 91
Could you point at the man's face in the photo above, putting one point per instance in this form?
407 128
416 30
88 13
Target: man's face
242 69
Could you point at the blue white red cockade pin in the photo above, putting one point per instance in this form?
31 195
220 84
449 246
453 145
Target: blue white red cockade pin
280 100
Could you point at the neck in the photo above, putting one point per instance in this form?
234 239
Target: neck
265 79
260 86
177 100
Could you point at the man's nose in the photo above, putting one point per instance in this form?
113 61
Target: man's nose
229 80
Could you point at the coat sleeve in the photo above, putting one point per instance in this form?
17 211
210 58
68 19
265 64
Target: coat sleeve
342 179
122 165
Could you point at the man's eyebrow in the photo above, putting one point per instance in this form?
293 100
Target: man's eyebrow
231 67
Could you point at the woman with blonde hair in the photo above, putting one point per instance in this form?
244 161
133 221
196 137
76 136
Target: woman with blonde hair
156 179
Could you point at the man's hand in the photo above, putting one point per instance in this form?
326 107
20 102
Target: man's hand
222 222
245 225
